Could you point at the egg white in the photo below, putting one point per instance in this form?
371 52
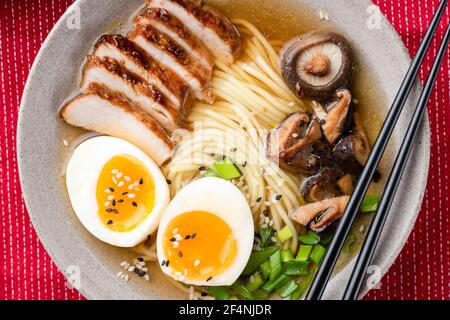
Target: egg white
82 173
225 200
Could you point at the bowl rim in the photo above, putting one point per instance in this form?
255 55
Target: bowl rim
87 290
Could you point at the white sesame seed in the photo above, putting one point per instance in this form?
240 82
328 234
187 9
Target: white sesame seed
271 223
65 143
123 263
114 180
252 279
127 278
196 263
120 184
325 15
267 203
131 268
141 263
145 269
178 237
295 135
122 276
273 239
127 178
107 203
131 195
136 183
119 175
266 220
176 244
147 277
361 229
111 197
130 187
119 274
175 231
281 182
321 16
115 171
107 190
291 104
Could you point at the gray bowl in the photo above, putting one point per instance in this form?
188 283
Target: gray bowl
41 155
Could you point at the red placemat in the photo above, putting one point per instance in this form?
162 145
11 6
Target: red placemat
27 272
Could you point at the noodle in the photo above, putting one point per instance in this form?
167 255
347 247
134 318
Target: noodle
252 98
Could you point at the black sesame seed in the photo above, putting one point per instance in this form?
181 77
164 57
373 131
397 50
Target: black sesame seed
139 272
163 263
149 237
167 263
114 203
110 222
120 201
204 294
202 168
141 181
278 197
209 279
193 235
180 254
187 237
125 193
266 213
173 239
109 210
140 259
258 200
244 164
111 189
169 181
115 211
213 155
134 204
322 122
233 149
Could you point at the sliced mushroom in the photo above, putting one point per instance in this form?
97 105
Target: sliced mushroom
322 185
321 214
334 117
352 152
291 143
345 184
317 64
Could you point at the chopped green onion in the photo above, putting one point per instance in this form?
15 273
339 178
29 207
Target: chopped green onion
226 169
272 284
275 265
285 234
240 289
317 254
211 173
310 238
286 255
351 239
265 268
286 288
220 293
296 268
258 257
260 295
326 241
265 234
303 284
370 203
255 282
303 253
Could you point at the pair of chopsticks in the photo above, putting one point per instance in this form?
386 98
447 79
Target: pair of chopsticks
366 254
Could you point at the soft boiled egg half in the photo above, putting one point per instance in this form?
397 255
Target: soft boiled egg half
205 237
116 190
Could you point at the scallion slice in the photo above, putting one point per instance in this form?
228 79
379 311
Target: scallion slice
265 268
265 233
286 288
275 265
272 284
303 253
220 293
210 173
296 268
255 282
317 254
286 255
261 295
226 169
258 257
370 203
240 289
310 238
285 234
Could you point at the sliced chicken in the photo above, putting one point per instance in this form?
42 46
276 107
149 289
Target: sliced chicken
162 20
209 25
111 74
104 111
138 62
171 55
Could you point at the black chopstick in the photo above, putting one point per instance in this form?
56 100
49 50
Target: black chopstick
326 267
366 254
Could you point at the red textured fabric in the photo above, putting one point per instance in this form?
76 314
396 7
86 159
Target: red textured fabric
27 272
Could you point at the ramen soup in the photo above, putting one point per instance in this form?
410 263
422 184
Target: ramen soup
224 142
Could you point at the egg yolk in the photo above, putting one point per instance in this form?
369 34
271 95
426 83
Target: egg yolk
199 245
125 193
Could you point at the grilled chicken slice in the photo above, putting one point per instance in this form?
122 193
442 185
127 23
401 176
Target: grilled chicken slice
134 59
113 75
171 55
209 25
101 110
162 20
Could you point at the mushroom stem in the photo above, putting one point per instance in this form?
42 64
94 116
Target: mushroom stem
318 66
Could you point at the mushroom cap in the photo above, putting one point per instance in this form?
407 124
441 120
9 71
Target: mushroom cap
352 152
322 185
316 64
